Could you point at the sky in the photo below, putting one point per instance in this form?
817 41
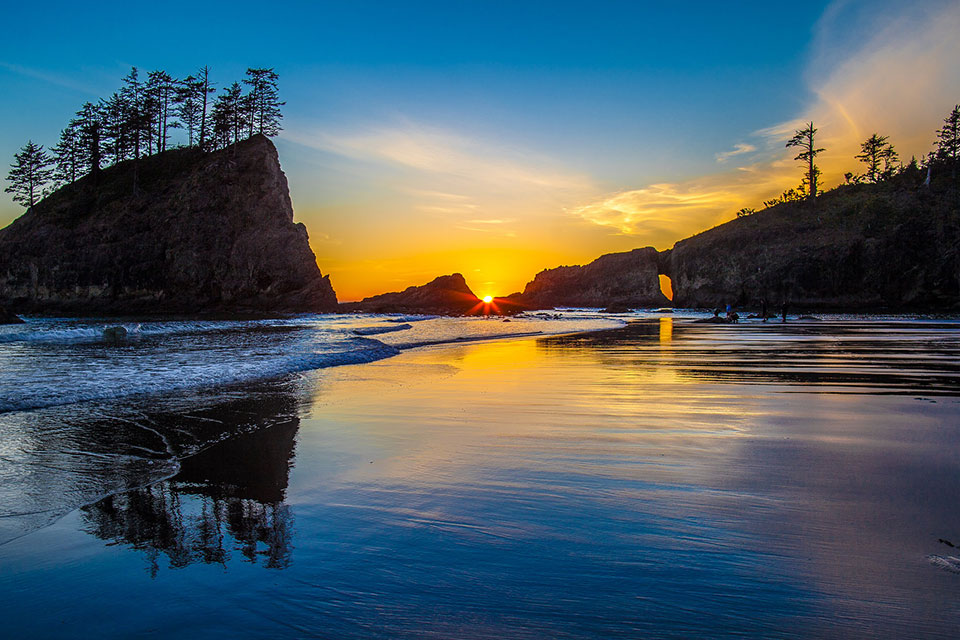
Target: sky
497 139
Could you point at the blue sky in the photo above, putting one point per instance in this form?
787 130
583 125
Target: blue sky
528 116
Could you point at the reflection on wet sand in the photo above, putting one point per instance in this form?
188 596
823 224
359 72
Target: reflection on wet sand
886 357
231 495
57 459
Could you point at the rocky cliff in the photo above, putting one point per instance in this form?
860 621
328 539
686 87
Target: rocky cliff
629 279
180 232
444 295
861 247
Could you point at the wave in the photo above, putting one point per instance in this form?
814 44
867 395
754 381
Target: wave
139 379
373 331
33 334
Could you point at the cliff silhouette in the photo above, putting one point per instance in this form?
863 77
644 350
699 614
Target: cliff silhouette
182 231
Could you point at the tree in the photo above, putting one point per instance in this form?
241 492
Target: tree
67 156
116 126
205 90
874 152
138 120
188 105
804 139
89 123
227 116
746 211
948 141
264 102
160 91
29 174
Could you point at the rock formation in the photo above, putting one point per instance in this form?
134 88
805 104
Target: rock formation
180 232
447 295
863 247
8 318
629 279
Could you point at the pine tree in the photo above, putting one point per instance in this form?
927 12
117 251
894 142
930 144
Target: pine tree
29 174
89 125
875 151
67 156
804 139
116 126
228 116
160 91
188 104
948 141
138 121
206 90
264 102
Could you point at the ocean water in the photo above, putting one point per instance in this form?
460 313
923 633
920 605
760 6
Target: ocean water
658 479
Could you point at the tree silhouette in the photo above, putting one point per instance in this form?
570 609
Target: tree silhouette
189 104
89 124
804 139
264 102
116 126
67 156
29 174
874 152
205 88
138 121
948 141
160 92
228 116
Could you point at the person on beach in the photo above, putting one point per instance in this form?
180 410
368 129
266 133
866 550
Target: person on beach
763 309
783 311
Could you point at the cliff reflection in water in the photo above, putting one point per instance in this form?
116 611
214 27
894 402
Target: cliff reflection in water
227 500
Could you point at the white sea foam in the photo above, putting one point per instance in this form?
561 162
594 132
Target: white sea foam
53 362
372 331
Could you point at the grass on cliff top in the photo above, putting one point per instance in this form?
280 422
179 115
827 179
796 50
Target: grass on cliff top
856 210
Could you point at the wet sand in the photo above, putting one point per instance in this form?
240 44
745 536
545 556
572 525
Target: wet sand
665 480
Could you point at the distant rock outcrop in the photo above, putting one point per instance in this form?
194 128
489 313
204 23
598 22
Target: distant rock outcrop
447 295
180 232
629 279
8 318
856 248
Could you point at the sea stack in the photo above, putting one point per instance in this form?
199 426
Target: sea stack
183 231
446 295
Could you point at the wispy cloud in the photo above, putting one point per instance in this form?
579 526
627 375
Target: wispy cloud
738 150
443 153
50 78
900 80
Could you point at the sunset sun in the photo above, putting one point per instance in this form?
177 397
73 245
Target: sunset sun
488 299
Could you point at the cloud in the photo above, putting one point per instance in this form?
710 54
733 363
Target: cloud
442 153
900 79
50 78
738 149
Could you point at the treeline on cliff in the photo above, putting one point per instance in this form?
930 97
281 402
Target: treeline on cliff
137 121
881 163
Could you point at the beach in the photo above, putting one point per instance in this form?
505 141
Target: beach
658 478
